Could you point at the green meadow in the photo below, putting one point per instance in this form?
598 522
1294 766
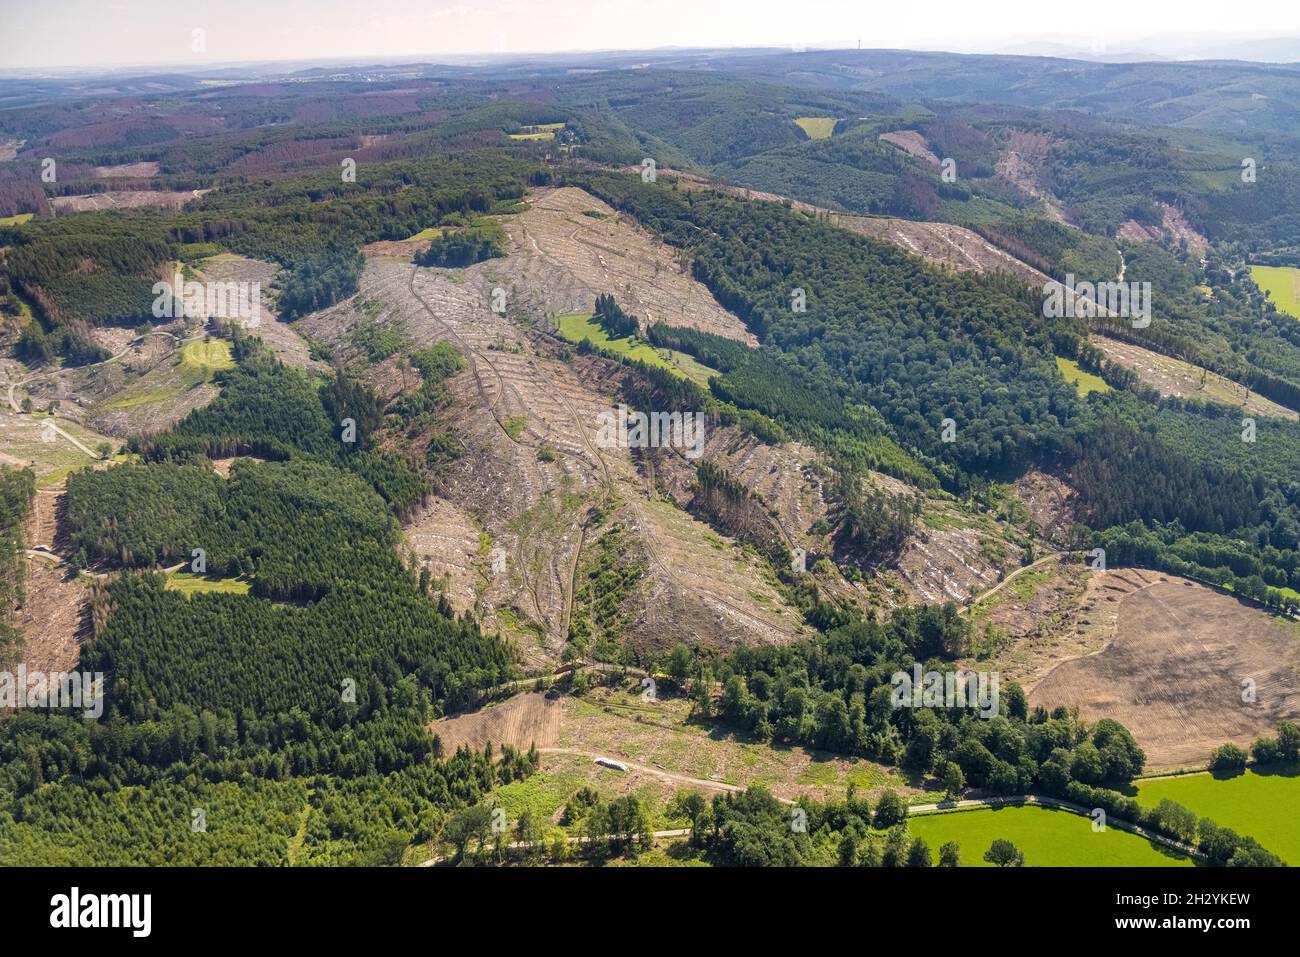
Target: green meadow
578 326
1262 806
1282 283
188 584
1048 837
1084 381
817 127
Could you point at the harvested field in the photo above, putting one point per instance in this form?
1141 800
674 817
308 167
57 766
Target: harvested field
130 170
1260 802
446 540
569 258
1282 283
664 752
817 127
1084 381
54 617
942 244
1173 377
1023 157
522 721
517 398
289 347
1049 837
1171 665
1174 228
912 143
124 199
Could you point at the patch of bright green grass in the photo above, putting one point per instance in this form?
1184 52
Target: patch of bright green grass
15 220
579 326
514 426
188 584
1084 381
817 127
543 793
1048 837
429 232
1262 806
1282 283
209 354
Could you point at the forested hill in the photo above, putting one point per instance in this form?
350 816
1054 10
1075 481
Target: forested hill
887 340
297 708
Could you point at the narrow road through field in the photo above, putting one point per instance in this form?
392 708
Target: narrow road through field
1012 577
669 776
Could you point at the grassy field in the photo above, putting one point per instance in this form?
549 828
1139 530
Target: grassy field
1084 381
188 584
541 131
817 127
15 220
1047 837
210 355
579 326
1260 805
429 232
1282 283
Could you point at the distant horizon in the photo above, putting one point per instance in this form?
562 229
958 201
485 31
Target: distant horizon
366 60
88 36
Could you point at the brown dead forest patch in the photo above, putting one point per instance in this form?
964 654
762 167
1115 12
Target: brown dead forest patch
54 616
1050 501
125 199
1022 161
140 170
1174 227
913 143
1171 664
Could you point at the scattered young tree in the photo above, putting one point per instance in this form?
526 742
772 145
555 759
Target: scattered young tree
1002 853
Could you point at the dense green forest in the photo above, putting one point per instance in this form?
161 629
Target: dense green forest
295 715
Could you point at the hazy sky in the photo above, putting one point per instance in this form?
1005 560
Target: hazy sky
52 33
